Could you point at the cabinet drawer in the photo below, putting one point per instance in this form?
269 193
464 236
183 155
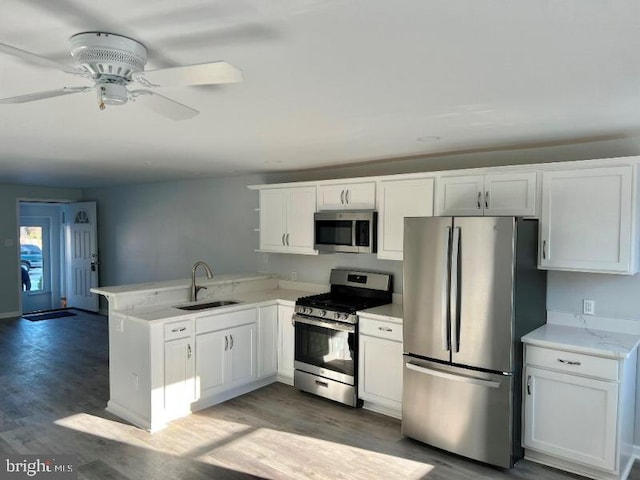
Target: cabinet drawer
381 329
570 362
177 330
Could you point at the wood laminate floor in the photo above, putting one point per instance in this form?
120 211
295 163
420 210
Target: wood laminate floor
54 387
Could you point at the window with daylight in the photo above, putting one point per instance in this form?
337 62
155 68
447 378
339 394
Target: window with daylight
32 257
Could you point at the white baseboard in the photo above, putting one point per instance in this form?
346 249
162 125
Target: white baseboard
10 314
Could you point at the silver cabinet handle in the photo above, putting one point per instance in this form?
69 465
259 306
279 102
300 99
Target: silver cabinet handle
385 329
231 337
287 239
283 239
346 196
486 199
226 343
569 362
179 329
528 384
544 249
342 197
188 350
479 200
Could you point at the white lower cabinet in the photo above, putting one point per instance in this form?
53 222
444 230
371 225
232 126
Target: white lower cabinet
380 364
226 357
579 411
286 343
179 385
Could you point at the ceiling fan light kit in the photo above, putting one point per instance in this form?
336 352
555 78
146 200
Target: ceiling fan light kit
112 62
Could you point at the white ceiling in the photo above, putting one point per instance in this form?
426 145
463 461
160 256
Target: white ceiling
327 82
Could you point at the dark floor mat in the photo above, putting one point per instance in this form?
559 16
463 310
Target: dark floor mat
36 317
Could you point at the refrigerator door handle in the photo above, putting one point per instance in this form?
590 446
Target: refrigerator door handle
453 296
444 292
451 376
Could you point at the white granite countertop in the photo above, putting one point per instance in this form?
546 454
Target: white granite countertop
178 284
162 312
384 312
601 343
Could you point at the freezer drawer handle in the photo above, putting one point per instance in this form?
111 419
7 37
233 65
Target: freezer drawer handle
569 362
450 376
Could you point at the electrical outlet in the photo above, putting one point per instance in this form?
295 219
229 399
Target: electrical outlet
588 307
294 276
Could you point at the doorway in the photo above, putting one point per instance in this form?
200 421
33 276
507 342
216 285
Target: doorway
58 255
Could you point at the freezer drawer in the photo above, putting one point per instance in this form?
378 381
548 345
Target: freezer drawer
463 411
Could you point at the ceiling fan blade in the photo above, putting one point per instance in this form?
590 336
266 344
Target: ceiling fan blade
32 97
202 74
163 105
38 60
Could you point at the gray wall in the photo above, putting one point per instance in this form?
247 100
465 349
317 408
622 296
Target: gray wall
156 232
10 294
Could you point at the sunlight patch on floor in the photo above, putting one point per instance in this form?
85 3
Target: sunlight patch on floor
254 450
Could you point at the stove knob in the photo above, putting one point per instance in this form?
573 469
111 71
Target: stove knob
323 313
309 311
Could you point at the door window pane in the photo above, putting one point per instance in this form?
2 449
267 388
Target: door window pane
31 258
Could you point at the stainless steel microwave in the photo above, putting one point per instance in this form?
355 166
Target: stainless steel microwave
350 231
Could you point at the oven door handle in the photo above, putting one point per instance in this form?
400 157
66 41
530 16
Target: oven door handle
343 327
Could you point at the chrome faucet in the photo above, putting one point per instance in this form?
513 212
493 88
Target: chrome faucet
195 289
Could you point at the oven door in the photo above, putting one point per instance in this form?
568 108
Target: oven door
325 348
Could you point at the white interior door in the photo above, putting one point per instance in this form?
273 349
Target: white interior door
81 255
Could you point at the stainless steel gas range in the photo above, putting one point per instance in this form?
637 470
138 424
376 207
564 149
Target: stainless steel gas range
326 333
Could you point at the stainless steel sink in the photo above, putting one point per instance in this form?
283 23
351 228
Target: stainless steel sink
205 306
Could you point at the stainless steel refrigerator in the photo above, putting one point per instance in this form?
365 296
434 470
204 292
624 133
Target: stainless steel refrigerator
471 290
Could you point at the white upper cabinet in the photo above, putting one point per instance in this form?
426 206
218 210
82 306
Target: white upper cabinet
398 199
347 196
286 219
587 221
500 194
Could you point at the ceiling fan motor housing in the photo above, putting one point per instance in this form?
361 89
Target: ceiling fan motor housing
109 54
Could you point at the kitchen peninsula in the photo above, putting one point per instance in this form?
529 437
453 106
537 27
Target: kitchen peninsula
165 362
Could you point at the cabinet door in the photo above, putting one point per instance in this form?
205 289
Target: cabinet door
331 197
462 195
399 199
301 207
267 340
571 417
273 218
347 196
286 342
242 355
380 371
510 194
360 196
211 363
586 220
179 387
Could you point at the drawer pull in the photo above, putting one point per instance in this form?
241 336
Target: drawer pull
385 329
569 362
180 329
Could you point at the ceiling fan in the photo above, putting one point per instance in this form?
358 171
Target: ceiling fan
113 62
